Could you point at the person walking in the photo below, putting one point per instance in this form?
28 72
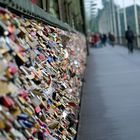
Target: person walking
111 38
103 39
129 35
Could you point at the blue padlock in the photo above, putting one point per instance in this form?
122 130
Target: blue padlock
23 116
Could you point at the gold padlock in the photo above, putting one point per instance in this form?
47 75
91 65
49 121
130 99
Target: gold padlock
22 100
15 111
28 111
2 124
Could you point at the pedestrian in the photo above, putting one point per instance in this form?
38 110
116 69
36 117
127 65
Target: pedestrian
97 40
111 38
103 39
129 35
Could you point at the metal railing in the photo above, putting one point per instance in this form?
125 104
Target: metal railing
26 8
122 41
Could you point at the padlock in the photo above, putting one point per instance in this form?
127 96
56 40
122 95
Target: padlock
15 111
2 122
6 101
37 109
23 116
28 111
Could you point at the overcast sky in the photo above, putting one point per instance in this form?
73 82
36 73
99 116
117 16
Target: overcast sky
99 4
120 2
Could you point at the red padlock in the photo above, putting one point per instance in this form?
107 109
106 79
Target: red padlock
12 68
24 93
41 57
6 101
37 109
65 76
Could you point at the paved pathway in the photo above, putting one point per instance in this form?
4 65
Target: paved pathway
110 107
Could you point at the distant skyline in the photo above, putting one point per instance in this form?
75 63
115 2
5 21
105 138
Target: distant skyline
119 2
99 4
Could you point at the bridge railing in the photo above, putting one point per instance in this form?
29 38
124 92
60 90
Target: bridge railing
122 41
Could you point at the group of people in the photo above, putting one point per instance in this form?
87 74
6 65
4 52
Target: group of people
99 40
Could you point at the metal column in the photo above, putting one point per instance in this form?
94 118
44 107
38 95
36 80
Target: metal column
137 24
119 25
124 13
110 15
114 18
